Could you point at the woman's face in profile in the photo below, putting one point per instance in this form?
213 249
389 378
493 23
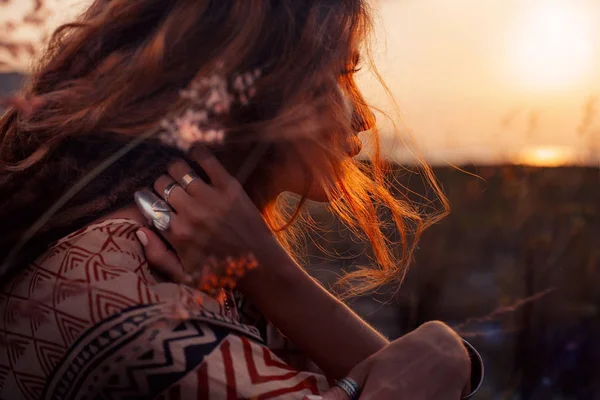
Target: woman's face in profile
293 177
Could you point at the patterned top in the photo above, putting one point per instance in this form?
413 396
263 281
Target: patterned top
88 320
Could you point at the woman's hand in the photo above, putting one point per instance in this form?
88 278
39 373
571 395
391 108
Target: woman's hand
216 220
428 363
219 219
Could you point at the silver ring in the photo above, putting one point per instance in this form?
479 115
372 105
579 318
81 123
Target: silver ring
349 386
187 179
169 189
156 210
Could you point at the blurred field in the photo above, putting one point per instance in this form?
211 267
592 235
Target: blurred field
515 268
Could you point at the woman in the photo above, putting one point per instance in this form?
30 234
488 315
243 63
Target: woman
83 314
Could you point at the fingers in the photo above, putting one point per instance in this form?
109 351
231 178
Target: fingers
161 258
197 188
359 375
178 198
214 169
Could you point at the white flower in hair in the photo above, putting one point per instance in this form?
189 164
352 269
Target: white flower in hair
210 98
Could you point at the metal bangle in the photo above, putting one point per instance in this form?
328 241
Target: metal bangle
477 369
349 386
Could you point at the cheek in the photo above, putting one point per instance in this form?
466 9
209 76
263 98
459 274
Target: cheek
322 175
319 163
292 175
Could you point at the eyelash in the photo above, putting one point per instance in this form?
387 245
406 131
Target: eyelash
351 71
356 63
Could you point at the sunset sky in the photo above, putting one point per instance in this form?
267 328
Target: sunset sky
486 80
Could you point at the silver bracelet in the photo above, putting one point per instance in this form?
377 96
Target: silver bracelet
349 386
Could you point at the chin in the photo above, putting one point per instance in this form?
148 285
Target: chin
316 191
318 194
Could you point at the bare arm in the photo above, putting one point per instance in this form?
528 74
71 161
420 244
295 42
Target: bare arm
331 334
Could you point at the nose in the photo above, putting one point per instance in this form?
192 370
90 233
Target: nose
354 146
363 118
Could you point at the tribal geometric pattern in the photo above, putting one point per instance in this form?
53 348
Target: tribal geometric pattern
243 369
136 353
88 320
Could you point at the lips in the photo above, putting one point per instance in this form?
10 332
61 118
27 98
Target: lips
354 146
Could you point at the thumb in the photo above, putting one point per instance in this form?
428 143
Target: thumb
160 257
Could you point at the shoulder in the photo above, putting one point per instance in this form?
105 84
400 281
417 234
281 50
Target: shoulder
114 237
98 254
81 280
90 300
47 306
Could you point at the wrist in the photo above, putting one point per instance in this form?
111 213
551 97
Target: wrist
275 267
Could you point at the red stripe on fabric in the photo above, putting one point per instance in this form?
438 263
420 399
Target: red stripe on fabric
255 376
267 355
229 372
202 377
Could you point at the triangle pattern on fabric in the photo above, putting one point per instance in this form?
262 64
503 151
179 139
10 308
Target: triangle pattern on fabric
41 313
4 371
70 327
105 303
67 289
73 259
40 276
49 355
16 348
32 386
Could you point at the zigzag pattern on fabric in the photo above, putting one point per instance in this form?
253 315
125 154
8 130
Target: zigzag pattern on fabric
138 353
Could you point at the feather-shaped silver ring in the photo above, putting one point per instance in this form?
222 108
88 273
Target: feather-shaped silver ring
156 210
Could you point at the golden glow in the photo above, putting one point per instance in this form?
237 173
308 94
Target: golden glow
553 46
548 156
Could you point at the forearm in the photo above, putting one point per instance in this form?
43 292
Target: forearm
331 334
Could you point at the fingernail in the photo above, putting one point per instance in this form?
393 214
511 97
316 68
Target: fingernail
313 397
142 237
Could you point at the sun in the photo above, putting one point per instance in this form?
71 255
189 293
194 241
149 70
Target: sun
552 45
548 156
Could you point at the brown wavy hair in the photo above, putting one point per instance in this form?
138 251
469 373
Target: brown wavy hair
114 74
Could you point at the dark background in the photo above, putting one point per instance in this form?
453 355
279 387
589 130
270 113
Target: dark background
515 269
9 82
